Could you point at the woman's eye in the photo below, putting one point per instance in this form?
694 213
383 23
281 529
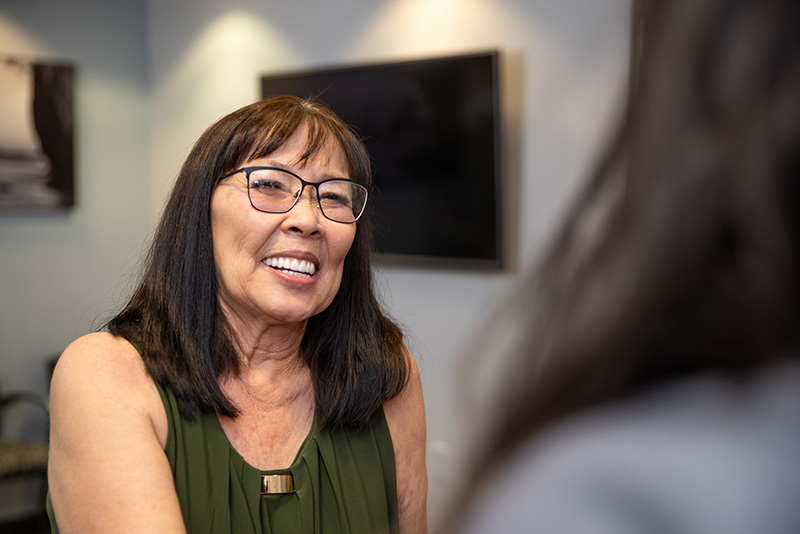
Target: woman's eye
334 198
269 186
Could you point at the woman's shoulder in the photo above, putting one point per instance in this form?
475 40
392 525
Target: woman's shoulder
101 355
405 417
407 408
108 430
678 450
104 371
678 429
100 341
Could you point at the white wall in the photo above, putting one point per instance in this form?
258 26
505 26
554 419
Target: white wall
564 66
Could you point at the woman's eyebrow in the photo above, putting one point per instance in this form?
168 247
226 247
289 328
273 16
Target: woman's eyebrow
297 168
274 163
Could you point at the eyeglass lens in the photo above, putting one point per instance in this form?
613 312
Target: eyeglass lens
276 191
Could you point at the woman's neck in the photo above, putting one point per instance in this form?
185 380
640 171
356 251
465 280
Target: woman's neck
273 384
267 346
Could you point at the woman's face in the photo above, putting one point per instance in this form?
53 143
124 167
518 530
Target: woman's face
250 246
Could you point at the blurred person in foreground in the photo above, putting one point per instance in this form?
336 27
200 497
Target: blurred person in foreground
654 385
252 384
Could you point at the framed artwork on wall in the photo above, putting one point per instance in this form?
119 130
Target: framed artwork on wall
37 169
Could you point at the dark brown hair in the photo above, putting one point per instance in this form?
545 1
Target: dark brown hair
682 253
353 349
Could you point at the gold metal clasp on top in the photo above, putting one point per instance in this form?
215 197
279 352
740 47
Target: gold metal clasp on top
271 484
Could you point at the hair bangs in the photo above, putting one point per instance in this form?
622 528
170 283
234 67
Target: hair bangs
278 127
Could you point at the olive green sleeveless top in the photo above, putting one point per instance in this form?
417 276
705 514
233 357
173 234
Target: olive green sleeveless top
344 481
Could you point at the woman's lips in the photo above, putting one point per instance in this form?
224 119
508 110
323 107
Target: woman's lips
293 266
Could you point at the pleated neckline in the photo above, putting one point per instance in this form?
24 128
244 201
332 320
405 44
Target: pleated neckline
217 428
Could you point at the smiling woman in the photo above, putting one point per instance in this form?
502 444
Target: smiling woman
252 383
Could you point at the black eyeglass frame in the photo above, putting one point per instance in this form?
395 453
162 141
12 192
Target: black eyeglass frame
304 183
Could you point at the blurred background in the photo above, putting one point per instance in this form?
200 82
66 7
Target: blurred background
150 76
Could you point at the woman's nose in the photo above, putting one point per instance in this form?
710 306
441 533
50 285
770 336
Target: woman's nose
305 214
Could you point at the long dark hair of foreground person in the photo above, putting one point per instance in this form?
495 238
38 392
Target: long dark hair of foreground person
682 254
354 351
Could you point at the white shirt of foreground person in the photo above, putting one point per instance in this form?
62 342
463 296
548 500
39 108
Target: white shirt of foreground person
701 455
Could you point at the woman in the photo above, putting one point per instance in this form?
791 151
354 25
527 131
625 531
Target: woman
252 383
655 385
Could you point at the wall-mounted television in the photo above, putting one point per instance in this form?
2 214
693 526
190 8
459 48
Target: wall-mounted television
432 129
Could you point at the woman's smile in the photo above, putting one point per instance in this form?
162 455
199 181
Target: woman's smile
291 266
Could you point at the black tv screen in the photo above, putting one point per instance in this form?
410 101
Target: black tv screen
431 128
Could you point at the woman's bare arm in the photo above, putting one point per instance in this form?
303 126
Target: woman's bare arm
108 471
405 415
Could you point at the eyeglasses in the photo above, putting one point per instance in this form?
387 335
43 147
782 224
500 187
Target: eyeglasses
275 190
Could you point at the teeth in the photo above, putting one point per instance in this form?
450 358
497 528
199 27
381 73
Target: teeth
293 265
